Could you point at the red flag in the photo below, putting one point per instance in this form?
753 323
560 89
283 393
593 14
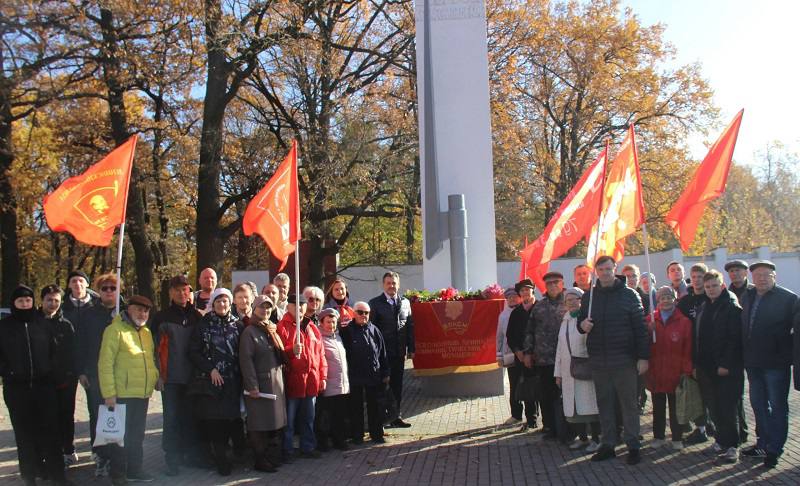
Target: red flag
274 214
707 184
622 207
89 206
572 221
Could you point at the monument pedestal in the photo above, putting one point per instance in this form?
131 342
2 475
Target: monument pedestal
481 384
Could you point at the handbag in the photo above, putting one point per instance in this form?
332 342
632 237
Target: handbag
528 388
110 425
387 406
688 402
578 366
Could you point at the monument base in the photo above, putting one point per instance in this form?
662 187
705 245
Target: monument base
482 384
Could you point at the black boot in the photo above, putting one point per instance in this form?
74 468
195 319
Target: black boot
223 463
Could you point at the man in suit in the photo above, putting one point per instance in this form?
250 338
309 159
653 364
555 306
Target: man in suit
391 313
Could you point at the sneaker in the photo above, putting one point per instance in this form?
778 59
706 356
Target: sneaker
770 460
634 457
754 451
400 423
715 448
592 447
512 421
696 437
524 428
578 444
657 443
70 459
603 453
139 477
730 456
677 445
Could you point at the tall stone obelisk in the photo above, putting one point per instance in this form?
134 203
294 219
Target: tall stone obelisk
455 136
456 154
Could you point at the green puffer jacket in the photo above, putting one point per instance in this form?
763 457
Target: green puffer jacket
127 367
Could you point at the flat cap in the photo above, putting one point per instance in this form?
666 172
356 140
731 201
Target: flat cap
293 299
736 264
551 275
762 263
140 300
522 284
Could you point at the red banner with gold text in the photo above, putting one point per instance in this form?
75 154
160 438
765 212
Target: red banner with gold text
455 336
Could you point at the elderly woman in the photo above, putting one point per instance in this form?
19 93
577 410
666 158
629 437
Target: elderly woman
214 353
579 399
332 402
261 358
338 297
670 358
368 369
314 299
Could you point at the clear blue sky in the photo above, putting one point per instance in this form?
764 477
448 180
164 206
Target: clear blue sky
749 54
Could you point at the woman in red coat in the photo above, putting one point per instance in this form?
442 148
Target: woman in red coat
670 358
305 374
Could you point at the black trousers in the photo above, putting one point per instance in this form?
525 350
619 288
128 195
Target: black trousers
179 437
548 396
65 402
358 394
34 418
531 407
660 401
128 459
330 420
93 402
396 370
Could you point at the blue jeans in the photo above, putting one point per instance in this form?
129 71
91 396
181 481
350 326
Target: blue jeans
304 407
769 397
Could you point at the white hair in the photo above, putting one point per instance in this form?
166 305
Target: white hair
312 291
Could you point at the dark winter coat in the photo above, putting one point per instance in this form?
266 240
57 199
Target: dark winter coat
89 337
27 350
767 327
65 365
367 362
619 337
172 331
718 334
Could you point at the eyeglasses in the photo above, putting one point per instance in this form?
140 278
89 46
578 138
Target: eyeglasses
108 288
362 312
314 299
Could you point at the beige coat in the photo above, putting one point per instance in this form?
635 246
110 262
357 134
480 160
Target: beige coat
261 368
578 395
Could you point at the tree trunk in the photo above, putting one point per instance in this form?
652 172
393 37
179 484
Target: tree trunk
136 226
10 269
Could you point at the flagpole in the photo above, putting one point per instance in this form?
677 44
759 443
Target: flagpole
119 260
647 259
297 258
597 236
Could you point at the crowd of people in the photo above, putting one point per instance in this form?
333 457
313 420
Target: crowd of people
240 373
583 358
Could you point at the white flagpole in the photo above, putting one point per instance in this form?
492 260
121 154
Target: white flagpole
119 260
649 271
298 318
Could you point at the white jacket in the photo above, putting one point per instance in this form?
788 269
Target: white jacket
502 350
578 395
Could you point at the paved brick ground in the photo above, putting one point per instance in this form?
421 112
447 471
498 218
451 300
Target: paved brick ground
453 442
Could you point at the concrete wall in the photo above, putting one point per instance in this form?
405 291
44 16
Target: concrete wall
364 281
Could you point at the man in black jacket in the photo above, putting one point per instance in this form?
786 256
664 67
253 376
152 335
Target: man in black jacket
26 366
518 322
737 272
619 350
65 370
172 330
79 298
391 314
768 313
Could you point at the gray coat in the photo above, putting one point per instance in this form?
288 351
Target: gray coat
261 364
337 382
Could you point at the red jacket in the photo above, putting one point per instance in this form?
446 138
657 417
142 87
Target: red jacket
671 354
304 375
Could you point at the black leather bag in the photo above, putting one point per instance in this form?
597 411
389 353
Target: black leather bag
387 406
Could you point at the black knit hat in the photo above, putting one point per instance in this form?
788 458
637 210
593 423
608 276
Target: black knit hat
77 273
22 291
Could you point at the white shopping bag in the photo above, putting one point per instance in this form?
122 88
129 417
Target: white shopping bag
110 426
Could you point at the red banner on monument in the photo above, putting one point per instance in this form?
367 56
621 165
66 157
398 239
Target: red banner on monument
455 336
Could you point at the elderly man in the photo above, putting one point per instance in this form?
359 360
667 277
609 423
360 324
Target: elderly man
619 350
172 329
768 313
582 276
676 276
128 375
368 371
737 272
208 282
515 337
391 314
541 340
271 291
283 283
